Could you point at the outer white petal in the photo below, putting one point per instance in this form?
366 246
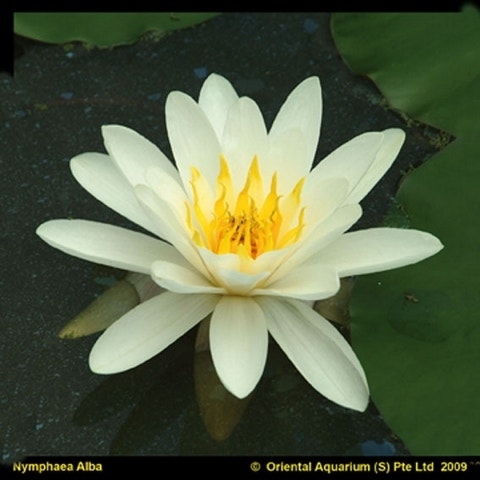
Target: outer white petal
306 282
377 249
244 136
391 145
192 138
182 278
147 330
97 174
106 244
216 97
238 343
317 350
349 161
302 111
134 154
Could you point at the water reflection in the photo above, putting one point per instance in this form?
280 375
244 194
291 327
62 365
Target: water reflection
284 415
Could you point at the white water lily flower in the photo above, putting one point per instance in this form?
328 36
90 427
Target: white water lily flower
250 235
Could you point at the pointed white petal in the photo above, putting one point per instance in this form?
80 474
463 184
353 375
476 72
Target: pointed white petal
106 244
147 330
305 282
377 249
216 97
133 153
392 143
302 111
192 138
349 161
238 342
318 351
181 277
97 174
244 136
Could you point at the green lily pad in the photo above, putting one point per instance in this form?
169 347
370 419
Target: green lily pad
416 329
101 29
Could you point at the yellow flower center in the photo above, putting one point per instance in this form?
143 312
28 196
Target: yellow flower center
248 223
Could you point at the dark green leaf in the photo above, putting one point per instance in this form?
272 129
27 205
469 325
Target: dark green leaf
416 329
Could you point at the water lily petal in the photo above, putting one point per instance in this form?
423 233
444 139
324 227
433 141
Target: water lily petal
147 330
97 174
306 282
106 244
169 227
376 250
239 283
287 149
268 261
329 195
238 343
162 218
228 261
244 136
133 153
170 192
180 277
302 111
192 138
318 351
393 139
216 97
331 228
350 161
232 272
325 233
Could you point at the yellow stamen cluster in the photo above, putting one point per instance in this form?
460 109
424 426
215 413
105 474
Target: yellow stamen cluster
247 224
